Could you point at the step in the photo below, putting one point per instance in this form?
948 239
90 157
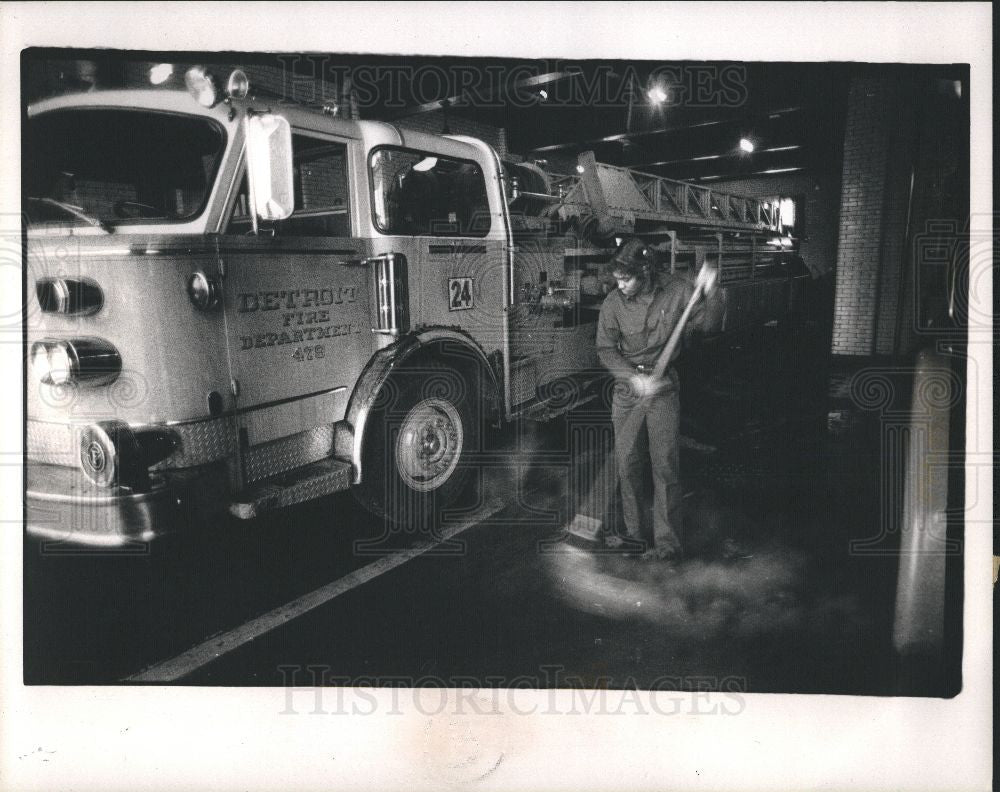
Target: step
296 486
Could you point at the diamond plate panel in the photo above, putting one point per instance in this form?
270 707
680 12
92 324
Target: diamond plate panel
288 453
53 443
313 481
199 443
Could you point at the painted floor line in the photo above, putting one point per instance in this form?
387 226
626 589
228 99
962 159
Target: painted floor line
218 645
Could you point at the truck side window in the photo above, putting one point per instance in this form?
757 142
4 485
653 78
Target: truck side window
422 194
321 192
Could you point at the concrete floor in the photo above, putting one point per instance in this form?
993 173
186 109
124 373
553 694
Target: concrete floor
798 613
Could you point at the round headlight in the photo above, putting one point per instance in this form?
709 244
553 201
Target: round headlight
60 364
52 362
89 361
40 361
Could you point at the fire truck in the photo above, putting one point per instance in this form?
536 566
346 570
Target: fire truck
236 304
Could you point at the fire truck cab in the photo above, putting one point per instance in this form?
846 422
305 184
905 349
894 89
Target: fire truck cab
237 304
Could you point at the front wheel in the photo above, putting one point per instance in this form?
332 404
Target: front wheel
416 441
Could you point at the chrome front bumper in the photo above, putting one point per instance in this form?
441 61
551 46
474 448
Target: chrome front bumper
197 480
63 506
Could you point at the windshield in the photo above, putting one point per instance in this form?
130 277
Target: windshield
112 167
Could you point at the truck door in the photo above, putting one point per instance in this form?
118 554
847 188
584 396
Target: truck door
297 314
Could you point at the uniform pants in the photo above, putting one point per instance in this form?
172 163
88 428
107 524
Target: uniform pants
647 436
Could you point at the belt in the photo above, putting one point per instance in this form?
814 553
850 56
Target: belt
643 368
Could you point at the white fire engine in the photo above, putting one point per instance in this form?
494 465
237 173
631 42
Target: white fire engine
239 304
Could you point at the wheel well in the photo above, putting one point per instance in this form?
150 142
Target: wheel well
467 361
451 351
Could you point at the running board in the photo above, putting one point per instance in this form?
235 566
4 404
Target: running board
542 411
296 486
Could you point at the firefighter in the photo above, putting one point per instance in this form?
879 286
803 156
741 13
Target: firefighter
636 320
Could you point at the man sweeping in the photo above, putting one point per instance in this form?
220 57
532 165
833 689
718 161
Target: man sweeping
641 328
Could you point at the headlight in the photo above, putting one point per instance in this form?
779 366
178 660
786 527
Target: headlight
60 369
87 361
40 362
70 296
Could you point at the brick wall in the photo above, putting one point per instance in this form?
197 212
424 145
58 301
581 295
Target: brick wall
859 244
433 122
901 128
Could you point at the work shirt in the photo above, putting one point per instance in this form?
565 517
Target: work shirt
633 331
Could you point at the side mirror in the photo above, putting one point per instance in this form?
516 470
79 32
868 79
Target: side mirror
269 165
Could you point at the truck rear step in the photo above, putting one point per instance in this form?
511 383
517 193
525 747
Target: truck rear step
296 486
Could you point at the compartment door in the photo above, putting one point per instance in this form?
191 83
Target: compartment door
298 318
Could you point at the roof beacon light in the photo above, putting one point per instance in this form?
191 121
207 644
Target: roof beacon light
160 73
202 85
238 85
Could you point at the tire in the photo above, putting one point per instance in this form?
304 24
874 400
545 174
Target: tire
416 444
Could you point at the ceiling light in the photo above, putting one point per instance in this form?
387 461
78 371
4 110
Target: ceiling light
543 94
657 95
746 145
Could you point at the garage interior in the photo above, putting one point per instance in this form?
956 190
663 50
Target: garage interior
798 447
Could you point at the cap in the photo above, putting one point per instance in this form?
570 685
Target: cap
633 255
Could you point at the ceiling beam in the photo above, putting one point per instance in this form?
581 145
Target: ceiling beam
664 130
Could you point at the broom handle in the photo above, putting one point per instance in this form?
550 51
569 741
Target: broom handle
668 351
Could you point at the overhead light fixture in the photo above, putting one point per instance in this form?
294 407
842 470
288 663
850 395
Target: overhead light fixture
746 145
543 94
657 95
